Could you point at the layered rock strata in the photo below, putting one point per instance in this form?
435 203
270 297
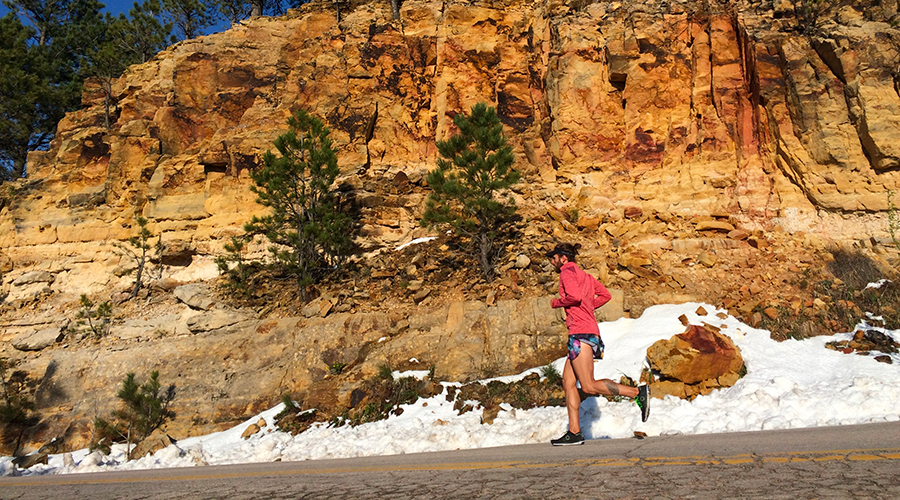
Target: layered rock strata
650 129
682 108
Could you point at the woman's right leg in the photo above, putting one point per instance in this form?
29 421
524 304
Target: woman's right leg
573 399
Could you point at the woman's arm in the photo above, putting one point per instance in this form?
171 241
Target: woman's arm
567 281
601 294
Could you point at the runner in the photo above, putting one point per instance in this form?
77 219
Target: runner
580 294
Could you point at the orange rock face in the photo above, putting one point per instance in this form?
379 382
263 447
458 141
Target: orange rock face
614 109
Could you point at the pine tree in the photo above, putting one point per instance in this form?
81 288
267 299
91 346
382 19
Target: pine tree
310 234
38 82
144 408
16 406
474 171
190 17
119 42
101 314
141 251
236 270
233 10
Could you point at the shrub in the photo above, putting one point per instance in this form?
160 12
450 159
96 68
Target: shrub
551 375
385 372
143 409
238 273
97 319
854 268
893 220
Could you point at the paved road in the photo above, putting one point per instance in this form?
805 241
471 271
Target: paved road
835 462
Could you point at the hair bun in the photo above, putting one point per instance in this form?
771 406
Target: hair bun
577 246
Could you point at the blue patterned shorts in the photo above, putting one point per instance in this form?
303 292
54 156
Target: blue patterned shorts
576 341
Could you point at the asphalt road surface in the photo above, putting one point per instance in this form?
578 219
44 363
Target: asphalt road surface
860 461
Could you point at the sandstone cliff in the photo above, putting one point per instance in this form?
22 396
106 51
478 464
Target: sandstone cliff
665 125
691 108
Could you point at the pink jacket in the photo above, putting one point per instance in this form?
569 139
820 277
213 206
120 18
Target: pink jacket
580 293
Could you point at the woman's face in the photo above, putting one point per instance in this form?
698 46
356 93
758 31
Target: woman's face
558 260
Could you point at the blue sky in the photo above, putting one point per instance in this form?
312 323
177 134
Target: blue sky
116 7
113 7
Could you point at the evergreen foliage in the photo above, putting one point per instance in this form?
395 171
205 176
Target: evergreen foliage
141 251
119 42
311 236
189 17
233 10
38 82
97 319
143 409
236 10
893 220
16 406
237 271
474 171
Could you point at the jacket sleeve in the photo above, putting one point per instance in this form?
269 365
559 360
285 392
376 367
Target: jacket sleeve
567 281
601 294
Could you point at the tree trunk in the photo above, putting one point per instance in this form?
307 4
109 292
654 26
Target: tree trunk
18 169
140 273
106 107
256 8
395 9
485 256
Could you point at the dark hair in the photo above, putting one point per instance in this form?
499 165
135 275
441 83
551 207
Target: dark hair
567 249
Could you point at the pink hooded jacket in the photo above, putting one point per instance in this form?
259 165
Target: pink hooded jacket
580 293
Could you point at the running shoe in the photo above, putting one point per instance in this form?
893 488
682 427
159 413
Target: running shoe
569 438
643 401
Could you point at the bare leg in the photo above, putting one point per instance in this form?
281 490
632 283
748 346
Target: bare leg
583 366
573 399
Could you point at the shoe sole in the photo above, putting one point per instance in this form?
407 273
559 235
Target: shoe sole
645 410
567 444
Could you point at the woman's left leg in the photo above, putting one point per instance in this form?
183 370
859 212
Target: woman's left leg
583 369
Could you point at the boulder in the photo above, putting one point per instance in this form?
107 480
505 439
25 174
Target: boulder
214 320
28 461
694 356
195 296
28 292
38 340
249 431
33 277
156 441
319 307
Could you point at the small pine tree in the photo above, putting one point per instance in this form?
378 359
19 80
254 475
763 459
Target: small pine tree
310 234
143 252
144 409
474 170
16 407
102 314
236 270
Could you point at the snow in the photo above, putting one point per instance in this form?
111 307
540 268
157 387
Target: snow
415 242
789 384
